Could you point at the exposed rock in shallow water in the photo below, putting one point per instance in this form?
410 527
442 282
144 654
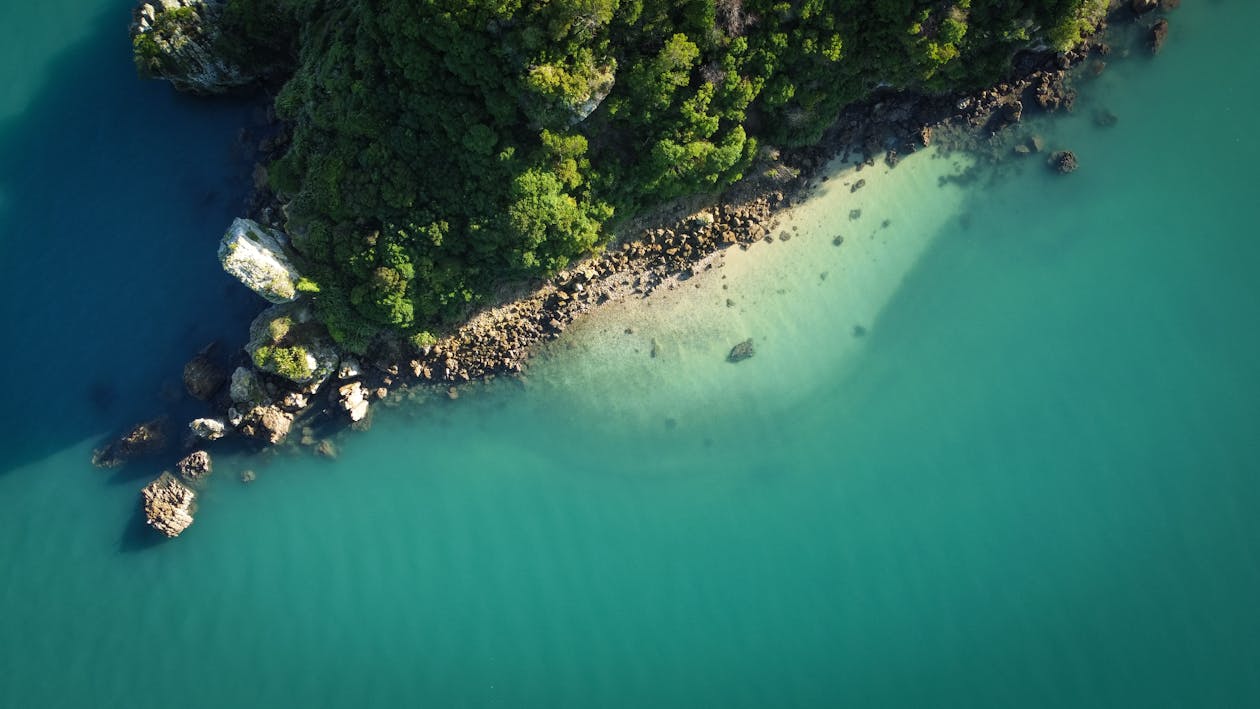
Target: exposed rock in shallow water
208 429
256 256
1159 34
741 352
181 41
287 341
353 399
168 505
145 439
195 466
266 423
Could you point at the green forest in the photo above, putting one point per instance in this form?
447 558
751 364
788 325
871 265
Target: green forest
441 148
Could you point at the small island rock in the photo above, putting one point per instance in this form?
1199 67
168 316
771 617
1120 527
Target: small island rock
168 505
195 466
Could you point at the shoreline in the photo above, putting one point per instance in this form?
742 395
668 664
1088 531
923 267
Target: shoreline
655 250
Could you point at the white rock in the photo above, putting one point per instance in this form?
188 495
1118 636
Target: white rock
209 429
255 256
349 368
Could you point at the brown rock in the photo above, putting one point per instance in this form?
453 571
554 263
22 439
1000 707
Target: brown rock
741 351
168 505
195 466
1159 34
145 439
203 377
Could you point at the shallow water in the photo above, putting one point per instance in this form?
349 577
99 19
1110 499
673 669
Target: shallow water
1031 482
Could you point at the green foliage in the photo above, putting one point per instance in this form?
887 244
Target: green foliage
443 147
291 362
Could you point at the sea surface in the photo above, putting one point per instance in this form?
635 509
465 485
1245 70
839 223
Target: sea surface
998 448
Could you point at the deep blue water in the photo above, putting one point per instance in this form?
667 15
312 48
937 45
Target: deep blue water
1031 483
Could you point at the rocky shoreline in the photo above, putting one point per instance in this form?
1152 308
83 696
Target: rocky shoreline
291 377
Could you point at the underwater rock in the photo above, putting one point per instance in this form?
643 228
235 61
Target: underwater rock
182 41
1159 34
168 505
287 341
203 377
1063 161
741 351
208 429
195 466
256 256
145 439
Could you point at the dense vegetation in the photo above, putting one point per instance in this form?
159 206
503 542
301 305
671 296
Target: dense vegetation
443 147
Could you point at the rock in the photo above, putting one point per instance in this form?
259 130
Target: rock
287 341
248 476
1036 143
741 351
203 377
208 429
181 41
858 185
147 438
1141 7
256 256
168 505
326 448
353 399
246 387
1063 161
837 240
266 423
195 466
1159 34
350 368
1104 118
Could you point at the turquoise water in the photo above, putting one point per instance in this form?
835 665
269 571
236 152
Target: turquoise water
1031 483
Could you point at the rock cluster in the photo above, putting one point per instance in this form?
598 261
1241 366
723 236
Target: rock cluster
168 505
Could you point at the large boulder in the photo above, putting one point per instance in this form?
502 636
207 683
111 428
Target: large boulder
203 377
247 387
208 429
267 423
168 505
182 41
353 400
287 341
256 256
195 466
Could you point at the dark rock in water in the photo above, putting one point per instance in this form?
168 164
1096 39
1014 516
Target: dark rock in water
741 352
1141 7
326 448
837 240
168 505
859 331
146 439
1159 34
1105 119
195 466
1063 161
203 377
857 185
784 236
855 214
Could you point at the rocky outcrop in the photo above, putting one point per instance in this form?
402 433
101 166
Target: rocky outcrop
182 41
195 466
145 439
246 389
203 377
208 429
741 351
353 400
270 424
256 256
168 505
287 341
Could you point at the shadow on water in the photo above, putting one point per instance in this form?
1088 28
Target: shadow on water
137 536
113 194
